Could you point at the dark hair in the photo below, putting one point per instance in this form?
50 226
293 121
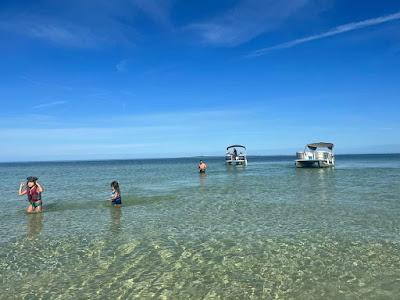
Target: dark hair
32 179
115 185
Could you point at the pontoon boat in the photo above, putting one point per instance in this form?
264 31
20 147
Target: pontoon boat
312 157
233 157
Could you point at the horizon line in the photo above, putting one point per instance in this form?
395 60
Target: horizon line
178 157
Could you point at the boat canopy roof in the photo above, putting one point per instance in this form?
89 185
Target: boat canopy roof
235 146
314 146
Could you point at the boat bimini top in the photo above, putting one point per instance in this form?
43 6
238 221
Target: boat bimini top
235 146
314 146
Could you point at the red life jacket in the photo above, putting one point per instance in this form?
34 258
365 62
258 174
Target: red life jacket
33 194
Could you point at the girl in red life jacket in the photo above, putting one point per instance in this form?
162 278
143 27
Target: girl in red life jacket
34 191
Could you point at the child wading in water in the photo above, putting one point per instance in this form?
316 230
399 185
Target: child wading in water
116 194
34 191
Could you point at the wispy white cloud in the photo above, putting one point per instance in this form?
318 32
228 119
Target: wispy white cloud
132 125
143 135
246 20
332 32
46 83
56 31
158 10
49 104
90 134
186 120
84 24
122 65
169 133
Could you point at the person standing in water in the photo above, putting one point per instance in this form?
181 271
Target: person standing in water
202 167
234 153
115 194
33 189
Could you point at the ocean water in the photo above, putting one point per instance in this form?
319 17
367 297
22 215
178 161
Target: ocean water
265 231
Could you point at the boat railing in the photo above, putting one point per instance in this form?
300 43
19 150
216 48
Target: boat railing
317 155
305 155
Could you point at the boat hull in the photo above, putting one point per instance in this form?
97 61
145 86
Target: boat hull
236 162
313 163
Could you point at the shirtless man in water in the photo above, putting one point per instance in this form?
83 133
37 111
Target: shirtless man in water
202 167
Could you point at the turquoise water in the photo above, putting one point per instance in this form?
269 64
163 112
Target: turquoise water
263 231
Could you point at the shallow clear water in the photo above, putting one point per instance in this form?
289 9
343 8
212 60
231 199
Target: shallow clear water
264 231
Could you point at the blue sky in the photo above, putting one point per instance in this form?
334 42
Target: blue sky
147 78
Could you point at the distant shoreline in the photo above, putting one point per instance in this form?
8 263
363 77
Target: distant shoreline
178 158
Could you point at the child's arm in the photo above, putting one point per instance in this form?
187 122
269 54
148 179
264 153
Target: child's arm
115 196
40 188
20 191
